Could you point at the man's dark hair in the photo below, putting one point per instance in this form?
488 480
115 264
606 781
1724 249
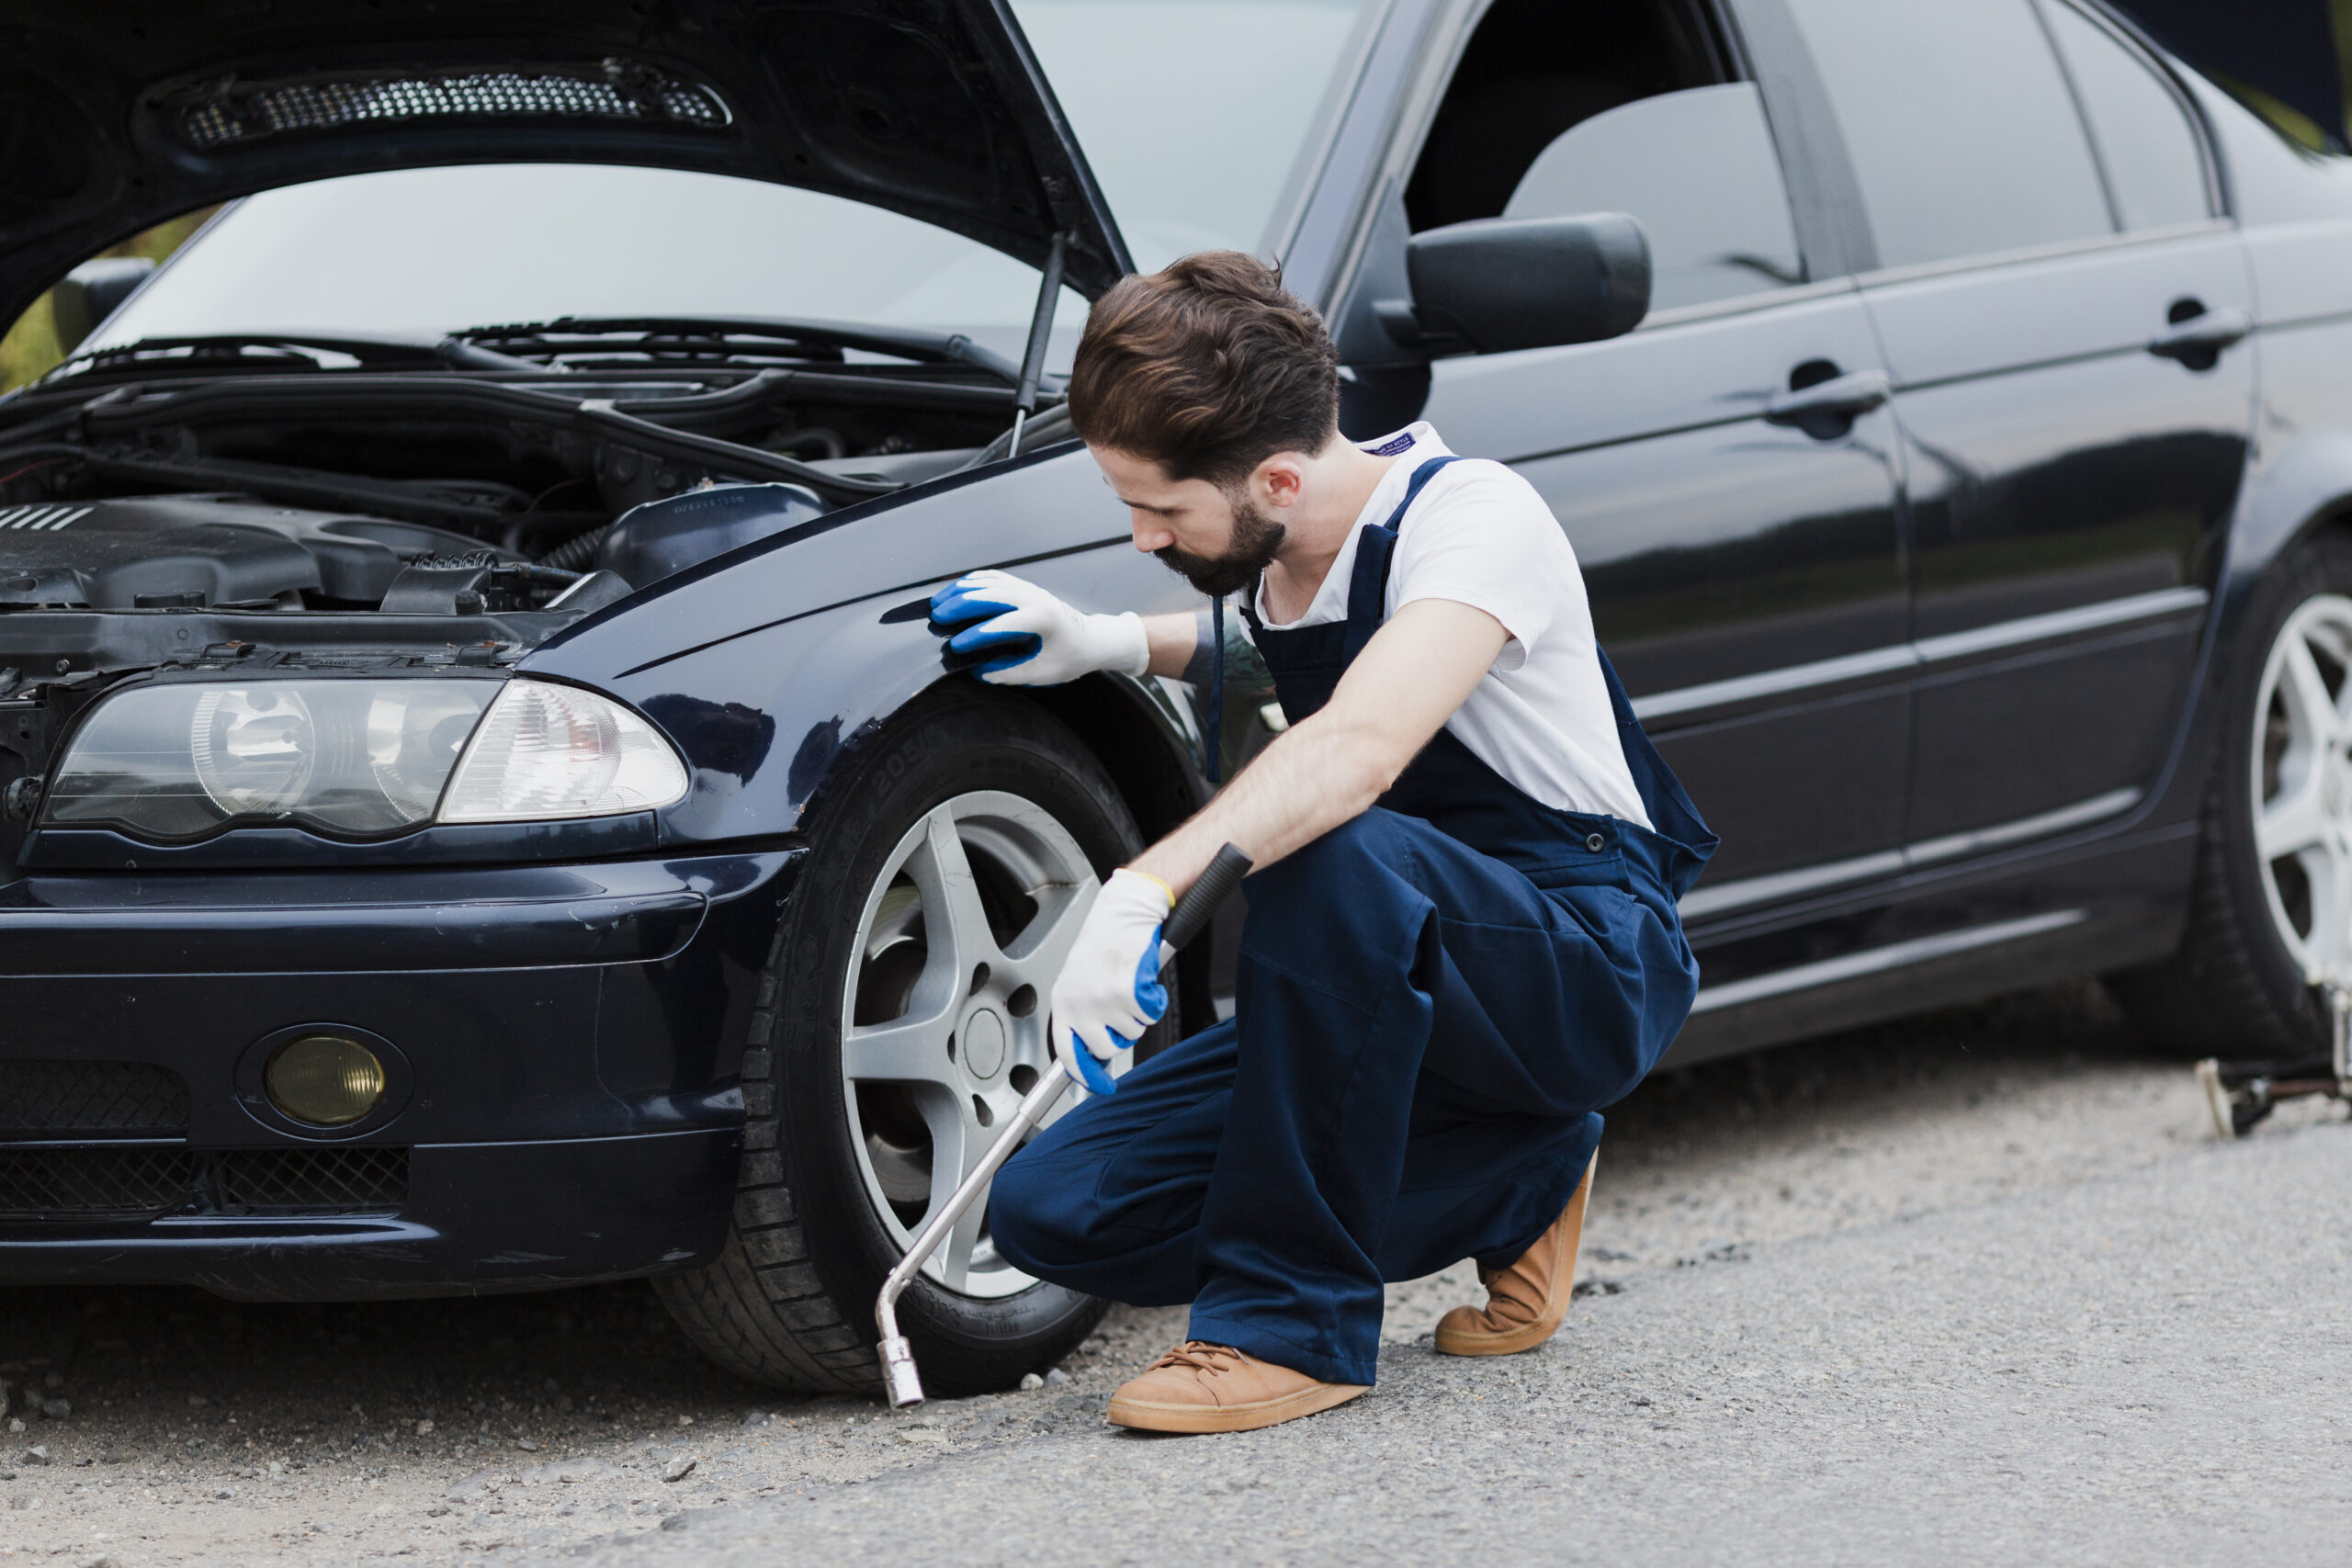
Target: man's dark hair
1206 368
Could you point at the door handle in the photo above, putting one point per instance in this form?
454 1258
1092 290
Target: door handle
1839 398
2198 341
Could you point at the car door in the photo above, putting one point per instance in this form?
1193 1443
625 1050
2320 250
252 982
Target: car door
2059 302
1726 472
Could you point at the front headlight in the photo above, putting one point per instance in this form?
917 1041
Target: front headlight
355 758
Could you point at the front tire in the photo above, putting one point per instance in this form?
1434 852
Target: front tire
900 1016
2271 913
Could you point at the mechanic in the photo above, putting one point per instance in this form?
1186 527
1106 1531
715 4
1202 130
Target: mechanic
1461 937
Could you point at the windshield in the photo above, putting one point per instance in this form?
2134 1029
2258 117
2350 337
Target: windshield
1194 142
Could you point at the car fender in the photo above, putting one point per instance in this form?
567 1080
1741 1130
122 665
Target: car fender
766 664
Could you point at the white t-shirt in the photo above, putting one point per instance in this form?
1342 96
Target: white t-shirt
1478 535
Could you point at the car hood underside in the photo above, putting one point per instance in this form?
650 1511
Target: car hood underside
116 114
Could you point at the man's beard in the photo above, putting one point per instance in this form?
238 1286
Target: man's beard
1256 537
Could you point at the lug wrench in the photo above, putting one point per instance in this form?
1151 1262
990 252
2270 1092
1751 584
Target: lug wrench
2240 1094
899 1375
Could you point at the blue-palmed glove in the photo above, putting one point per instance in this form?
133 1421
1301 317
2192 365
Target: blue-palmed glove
1109 992
1009 632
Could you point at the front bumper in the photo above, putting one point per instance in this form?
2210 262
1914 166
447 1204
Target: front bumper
569 1042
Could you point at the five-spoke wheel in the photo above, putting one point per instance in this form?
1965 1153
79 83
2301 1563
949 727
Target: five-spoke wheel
958 943
2302 757
2271 913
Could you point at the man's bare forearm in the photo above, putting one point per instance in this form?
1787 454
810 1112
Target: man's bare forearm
1332 765
1313 777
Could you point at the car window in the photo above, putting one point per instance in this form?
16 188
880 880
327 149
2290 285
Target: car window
2143 134
1532 71
1963 134
1697 167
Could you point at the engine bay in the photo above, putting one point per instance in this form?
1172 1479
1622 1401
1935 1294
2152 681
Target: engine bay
309 504
309 476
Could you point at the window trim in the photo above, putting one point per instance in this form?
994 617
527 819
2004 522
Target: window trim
1824 194
1986 261
2128 36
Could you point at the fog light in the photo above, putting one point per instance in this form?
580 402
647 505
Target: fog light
324 1079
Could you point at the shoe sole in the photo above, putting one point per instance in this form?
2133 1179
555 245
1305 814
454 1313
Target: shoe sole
1530 1336
1150 1415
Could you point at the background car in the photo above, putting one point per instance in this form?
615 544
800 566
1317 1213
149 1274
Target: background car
483 806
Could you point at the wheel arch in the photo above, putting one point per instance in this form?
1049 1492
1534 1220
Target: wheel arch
2304 488
1156 764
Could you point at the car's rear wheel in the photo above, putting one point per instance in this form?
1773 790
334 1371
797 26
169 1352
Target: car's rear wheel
2271 915
901 1016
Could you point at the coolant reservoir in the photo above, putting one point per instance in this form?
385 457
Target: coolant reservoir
652 541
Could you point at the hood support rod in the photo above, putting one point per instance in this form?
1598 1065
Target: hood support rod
1041 328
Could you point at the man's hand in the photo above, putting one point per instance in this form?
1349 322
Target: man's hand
1109 991
1022 636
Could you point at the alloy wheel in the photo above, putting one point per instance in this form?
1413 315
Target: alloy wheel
2303 787
945 1011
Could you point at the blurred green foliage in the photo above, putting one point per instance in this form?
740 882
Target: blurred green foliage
31 347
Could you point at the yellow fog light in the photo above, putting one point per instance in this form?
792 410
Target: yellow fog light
324 1079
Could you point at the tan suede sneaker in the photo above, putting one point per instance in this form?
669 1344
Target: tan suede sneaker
1201 1387
1525 1301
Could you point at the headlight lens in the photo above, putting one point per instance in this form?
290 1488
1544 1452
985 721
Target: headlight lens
255 748
547 750
357 758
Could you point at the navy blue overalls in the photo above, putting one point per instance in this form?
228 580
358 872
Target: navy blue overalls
1434 1001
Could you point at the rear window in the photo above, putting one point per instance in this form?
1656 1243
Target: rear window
2144 140
1963 133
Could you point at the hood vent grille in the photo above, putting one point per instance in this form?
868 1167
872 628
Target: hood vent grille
243 113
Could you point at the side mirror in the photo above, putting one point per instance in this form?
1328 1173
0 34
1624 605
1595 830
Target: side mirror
91 292
1495 284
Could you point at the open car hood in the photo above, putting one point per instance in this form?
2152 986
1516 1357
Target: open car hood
117 114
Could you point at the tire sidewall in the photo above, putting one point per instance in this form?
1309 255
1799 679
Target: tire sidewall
949 743
2317 567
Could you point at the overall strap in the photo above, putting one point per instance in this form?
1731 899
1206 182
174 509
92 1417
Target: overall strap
1376 548
1213 753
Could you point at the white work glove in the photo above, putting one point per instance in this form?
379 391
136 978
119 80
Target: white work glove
1013 633
1109 991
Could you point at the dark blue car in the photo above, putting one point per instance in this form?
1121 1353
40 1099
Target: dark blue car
483 808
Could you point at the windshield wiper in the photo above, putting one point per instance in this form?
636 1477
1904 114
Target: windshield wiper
689 342
262 353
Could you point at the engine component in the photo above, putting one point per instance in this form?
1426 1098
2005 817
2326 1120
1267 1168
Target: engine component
471 584
198 551
654 541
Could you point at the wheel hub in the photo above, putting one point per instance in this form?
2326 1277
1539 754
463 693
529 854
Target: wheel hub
985 1038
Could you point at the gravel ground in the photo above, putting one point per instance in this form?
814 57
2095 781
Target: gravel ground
1981 1287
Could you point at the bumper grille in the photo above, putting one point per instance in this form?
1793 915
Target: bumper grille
47 1099
88 1184
309 1181
143 1183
